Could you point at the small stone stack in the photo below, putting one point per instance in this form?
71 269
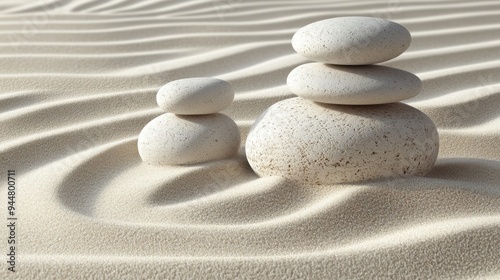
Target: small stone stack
347 124
192 131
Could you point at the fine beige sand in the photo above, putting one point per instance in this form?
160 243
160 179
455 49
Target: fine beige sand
78 81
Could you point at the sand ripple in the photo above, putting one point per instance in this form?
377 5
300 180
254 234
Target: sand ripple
78 83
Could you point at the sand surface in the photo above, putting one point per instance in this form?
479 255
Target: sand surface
78 81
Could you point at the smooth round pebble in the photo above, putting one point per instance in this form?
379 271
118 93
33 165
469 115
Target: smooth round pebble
352 85
171 139
351 40
316 143
195 96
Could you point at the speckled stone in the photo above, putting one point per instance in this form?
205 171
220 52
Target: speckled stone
352 85
351 40
195 96
174 140
317 143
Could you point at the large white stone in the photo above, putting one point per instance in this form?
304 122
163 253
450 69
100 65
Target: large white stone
326 144
173 140
351 40
352 85
195 96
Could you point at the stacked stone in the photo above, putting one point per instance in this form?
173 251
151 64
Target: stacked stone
347 124
192 130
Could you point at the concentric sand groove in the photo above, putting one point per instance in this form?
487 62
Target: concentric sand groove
78 81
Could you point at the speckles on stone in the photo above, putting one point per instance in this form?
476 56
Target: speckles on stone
351 40
193 131
352 85
328 144
195 96
172 140
346 124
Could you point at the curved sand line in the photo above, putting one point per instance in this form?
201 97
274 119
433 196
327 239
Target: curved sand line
78 88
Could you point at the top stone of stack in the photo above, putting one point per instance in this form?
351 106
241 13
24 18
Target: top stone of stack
351 40
195 96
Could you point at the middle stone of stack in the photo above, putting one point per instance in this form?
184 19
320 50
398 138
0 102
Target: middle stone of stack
346 125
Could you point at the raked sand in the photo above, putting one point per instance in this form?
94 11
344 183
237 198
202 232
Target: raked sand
78 82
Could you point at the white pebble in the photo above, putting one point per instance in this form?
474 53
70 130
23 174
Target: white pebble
351 40
352 85
174 140
327 144
195 96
